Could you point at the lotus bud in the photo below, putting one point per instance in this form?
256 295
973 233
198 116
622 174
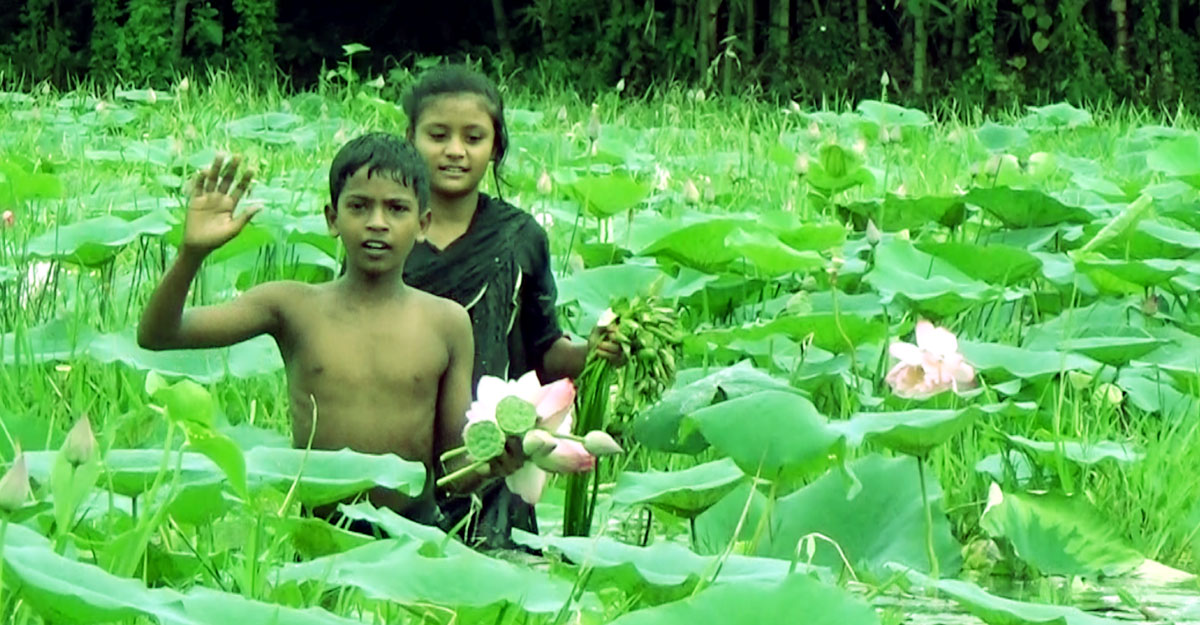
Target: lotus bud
377 83
562 113
885 80
803 162
1109 394
153 97
538 442
184 85
14 486
1079 380
860 146
544 184
903 234
8 218
593 127
80 447
620 85
690 193
599 443
793 106
814 130
662 177
902 190
698 95
873 234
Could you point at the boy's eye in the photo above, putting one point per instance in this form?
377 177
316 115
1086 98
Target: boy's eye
399 208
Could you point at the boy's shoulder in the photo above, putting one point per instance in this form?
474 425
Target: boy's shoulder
454 316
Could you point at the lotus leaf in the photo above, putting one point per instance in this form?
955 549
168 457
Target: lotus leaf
684 493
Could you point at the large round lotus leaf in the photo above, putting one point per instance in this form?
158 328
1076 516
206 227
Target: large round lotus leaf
913 432
1082 453
1129 276
992 609
825 330
755 603
657 427
1112 350
773 434
895 213
683 493
1027 364
1000 265
94 242
1024 208
932 284
609 195
663 571
1057 534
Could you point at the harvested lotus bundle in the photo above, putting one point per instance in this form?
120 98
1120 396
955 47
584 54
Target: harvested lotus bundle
648 335
540 416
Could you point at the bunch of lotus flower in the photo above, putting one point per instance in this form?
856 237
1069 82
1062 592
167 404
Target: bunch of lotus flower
649 336
541 417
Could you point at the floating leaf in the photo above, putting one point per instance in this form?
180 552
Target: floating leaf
769 255
887 114
684 493
1177 157
1027 364
998 610
1057 534
1055 116
770 433
700 246
998 138
754 603
825 330
1112 350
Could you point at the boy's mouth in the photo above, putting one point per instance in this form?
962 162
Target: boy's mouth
376 245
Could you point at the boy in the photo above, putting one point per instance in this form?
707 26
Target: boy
384 367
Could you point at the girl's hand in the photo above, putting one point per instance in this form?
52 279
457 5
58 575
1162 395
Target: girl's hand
210 222
601 342
510 461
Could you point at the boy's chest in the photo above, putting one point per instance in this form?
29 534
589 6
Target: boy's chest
395 356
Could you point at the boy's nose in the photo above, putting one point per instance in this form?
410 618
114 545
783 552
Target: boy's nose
376 221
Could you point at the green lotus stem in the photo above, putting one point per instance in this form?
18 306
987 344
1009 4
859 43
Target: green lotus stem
934 569
450 477
569 437
453 453
3 538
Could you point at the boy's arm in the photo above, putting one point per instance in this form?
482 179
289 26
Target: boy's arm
210 223
454 392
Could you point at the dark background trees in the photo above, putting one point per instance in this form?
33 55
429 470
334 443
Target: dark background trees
983 52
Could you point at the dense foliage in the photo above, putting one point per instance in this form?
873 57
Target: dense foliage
983 52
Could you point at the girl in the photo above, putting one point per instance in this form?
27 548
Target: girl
489 256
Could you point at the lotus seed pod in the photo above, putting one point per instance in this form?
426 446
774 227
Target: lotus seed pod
538 442
14 486
484 439
515 415
599 443
80 447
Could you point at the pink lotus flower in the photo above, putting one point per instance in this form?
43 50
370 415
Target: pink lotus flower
8 218
553 403
931 366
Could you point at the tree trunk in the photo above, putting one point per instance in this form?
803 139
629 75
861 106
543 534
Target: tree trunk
1119 12
960 33
863 31
781 26
749 45
730 38
703 53
177 33
920 43
506 49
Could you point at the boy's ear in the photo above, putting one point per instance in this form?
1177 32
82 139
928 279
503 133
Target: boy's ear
331 219
424 221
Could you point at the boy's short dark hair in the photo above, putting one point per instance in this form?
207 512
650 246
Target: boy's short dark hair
384 154
452 79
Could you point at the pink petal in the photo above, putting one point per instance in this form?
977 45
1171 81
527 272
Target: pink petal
527 387
939 341
905 380
556 403
529 481
907 353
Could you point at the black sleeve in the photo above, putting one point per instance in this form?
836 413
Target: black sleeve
539 295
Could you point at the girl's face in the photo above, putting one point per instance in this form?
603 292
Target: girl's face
455 136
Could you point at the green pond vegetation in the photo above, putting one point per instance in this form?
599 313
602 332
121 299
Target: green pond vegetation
780 474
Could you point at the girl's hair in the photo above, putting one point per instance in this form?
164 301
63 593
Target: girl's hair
452 79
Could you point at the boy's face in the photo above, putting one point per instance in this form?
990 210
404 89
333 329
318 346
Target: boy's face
456 137
378 220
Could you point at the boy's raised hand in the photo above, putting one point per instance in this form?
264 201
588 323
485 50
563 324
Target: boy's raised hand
210 221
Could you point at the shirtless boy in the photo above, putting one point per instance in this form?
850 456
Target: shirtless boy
388 366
